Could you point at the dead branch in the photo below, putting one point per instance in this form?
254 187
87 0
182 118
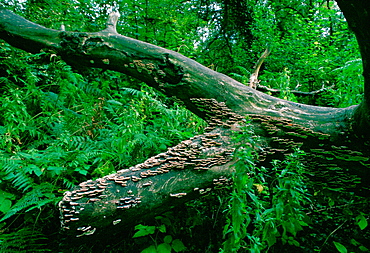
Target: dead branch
253 80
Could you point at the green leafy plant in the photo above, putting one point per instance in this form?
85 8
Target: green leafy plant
361 221
266 204
168 245
39 196
58 128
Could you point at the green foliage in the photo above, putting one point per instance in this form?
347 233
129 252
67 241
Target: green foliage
266 204
340 247
23 241
39 196
349 73
306 39
279 209
143 230
60 126
168 245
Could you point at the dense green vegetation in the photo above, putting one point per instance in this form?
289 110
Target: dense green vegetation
60 125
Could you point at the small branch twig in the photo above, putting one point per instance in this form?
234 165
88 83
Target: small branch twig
295 92
335 230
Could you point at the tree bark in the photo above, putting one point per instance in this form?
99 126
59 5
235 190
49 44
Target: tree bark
331 137
357 14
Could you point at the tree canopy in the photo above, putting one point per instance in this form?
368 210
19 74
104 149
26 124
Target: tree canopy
128 126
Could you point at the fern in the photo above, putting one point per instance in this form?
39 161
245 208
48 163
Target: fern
148 94
23 241
90 88
59 127
67 183
13 172
39 196
133 92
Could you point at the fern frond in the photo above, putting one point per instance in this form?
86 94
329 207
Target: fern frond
39 196
67 183
133 92
23 241
89 88
20 179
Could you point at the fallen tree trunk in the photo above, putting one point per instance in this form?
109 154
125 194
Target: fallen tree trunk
168 71
108 205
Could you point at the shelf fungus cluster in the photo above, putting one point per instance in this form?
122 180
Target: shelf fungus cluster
72 204
284 135
217 113
111 197
173 174
128 202
285 127
199 152
221 182
114 196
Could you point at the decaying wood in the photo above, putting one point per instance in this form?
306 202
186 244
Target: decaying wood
332 137
253 79
190 169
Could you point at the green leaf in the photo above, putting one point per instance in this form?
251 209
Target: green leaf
364 249
168 239
340 247
166 221
114 102
55 170
143 230
162 228
164 248
279 208
150 249
271 239
5 205
354 242
361 221
295 243
162 146
178 246
35 169
82 171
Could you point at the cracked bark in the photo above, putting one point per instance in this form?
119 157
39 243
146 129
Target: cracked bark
332 137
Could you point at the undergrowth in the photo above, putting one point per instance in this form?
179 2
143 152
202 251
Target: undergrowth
267 204
59 127
275 207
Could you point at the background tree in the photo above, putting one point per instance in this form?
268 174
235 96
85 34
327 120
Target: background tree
61 125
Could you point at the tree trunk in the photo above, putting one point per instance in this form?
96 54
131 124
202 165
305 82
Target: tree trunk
357 14
331 137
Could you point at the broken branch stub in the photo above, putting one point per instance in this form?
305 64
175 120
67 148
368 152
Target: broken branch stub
112 22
